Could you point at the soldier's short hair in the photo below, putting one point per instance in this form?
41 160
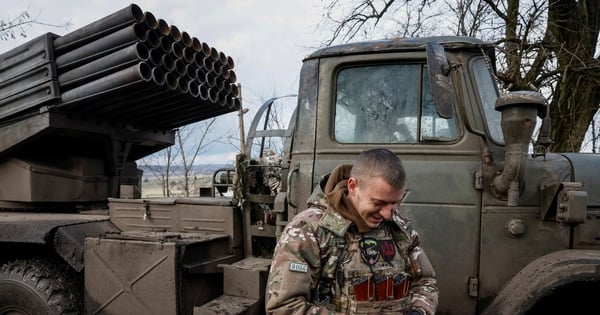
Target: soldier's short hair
381 163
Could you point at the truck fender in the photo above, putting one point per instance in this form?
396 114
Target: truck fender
540 277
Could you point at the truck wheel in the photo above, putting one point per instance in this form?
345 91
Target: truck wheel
38 286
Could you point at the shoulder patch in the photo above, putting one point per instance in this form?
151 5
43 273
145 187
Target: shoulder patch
299 267
335 223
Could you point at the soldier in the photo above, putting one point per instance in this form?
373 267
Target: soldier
352 251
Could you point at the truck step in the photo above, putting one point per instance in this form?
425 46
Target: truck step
246 278
230 305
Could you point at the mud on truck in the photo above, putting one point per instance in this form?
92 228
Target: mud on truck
509 227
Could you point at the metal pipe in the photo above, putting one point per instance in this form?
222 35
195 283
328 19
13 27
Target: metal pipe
193 116
237 102
230 102
163 27
205 49
227 87
200 73
211 79
157 108
203 62
168 63
219 83
116 101
235 90
222 98
180 67
101 47
217 68
232 76
182 84
175 34
223 59
155 57
140 72
230 62
193 89
159 77
109 24
214 53
225 72
196 44
165 44
131 99
186 39
212 95
190 71
152 39
171 81
188 54
177 49
110 63
175 108
150 109
203 92
150 20
133 96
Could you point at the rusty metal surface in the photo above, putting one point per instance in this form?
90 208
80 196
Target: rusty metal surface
37 228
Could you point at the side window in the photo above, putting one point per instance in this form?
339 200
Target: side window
388 104
488 93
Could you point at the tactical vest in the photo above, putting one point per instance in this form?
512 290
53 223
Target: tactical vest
363 273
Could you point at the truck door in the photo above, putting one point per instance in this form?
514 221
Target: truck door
384 100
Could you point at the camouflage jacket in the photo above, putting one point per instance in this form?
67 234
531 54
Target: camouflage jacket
319 262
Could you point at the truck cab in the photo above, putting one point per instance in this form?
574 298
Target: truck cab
494 209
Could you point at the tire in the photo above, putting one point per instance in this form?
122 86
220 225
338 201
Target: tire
39 286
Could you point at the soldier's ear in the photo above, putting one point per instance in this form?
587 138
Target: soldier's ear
352 186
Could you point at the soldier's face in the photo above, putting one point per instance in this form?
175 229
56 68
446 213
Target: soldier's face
374 200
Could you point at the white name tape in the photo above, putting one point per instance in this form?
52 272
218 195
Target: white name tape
299 267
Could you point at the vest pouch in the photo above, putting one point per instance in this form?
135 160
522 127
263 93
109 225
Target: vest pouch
389 307
400 285
364 289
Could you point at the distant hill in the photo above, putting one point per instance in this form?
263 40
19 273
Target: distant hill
202 169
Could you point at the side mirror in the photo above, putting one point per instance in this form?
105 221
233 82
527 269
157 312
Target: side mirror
440 80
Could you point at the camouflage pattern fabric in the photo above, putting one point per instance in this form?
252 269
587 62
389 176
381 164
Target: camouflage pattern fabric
384 271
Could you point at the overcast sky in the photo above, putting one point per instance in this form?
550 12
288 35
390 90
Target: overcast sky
267 38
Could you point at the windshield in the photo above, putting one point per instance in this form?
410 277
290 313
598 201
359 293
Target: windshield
390 103
488 92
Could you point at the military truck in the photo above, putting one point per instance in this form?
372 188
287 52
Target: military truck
510 227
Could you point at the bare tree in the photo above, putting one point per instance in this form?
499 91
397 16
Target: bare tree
175 166
193 140
359 19
160 165
17 26
548 45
